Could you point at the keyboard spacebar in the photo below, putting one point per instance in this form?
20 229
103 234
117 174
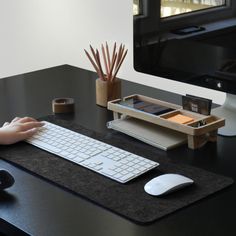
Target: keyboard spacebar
45 146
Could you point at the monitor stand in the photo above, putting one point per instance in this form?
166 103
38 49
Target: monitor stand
227 111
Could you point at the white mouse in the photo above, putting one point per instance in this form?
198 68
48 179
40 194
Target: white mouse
166 183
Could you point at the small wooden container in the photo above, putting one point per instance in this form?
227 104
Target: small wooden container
107 91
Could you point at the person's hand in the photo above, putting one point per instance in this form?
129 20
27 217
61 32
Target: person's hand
18 129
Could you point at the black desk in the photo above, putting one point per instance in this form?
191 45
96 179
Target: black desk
38 207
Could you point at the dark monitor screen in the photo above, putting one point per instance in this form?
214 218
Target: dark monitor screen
190 41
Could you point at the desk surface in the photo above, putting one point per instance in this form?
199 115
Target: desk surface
37 207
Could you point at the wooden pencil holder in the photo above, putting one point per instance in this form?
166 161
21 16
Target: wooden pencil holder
107 91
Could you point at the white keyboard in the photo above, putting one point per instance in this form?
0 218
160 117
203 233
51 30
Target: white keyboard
95 155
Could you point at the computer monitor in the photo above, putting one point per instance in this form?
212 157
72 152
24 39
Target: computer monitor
190 41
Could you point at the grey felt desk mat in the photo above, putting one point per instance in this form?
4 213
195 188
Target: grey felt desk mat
128 200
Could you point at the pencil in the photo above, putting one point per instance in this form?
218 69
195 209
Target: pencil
122 50
114 50
111 64
99 65
118 67
105 60
94 54
119 55
112 67
91 60
108 56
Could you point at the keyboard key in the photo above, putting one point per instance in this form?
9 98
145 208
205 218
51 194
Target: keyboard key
127 176
78 160
47 146
109 172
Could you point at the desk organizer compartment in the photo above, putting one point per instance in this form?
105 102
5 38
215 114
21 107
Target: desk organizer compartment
195 116
198 131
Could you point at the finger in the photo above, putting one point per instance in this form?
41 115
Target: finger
5 124
27 119
31 125
15 119
28 133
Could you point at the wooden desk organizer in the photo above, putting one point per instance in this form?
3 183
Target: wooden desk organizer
196 136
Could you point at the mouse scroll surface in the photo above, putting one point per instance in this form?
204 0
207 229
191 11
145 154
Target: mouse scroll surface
166 183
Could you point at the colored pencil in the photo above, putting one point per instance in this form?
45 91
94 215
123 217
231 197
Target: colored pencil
99 65
105 60
111 64
119 65
108 56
